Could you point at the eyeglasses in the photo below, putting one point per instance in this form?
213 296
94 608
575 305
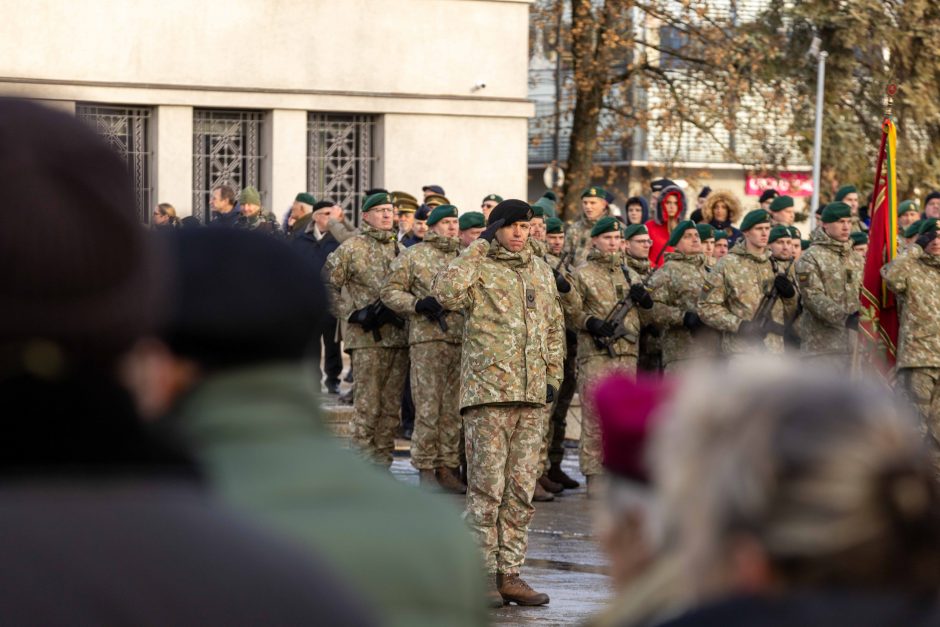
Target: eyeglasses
386 210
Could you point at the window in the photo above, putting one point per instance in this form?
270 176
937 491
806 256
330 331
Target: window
340 158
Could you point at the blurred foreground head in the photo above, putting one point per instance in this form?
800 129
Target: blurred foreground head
792 479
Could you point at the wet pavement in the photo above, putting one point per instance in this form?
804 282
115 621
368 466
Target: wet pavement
563 558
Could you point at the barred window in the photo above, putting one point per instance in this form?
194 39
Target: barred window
340 158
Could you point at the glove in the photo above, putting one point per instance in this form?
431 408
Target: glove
752 329
549 394
490 231
384 315
926 238
640 296
361 317
783 286
776 328
561 283
691 321
599 328
851 321
429 307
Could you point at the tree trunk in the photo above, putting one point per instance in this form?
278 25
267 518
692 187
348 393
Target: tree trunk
587 110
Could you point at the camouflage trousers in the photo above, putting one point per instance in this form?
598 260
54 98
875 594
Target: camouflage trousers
380 378
435 380
553 444
589 372
502 456
922 388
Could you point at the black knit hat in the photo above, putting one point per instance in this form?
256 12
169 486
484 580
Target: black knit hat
79 274
511 211
768 194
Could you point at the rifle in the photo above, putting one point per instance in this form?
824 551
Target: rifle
440 319
379 315
764 312
618 314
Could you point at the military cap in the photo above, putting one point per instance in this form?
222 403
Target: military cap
546 204
720 234
382 198
767 195
249 196
835 211
537 210
907 206
306 198
554 225
931 196
778 232
753 218
322 204
511 211
441 212
472 220
679 231
780 203
930 224
705 192
404 202
633 230
595 192
607 224
660 184
804 244
434 200
492 197
434 189
550 195
844 191
914 229
376 190
705 231
794 232
422 213
858 238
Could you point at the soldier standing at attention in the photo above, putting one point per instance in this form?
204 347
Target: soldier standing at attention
782 211
511 366
848 194
721 247
830 276
637 245
378 347
434 336
593 208
601 283
734 290
472 224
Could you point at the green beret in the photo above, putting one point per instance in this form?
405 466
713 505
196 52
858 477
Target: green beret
835 211
305 198
907 206
249 196
844 191
705 231
780 203
538 211
795 232
492 197
930 224
858 238
554 225
914 229
382 198
594 192
440 212
633 230
777 232
804 244
720 234
606 224
677 232
472 220
753 218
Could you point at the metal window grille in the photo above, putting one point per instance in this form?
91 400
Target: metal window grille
227 150
127 131
340 158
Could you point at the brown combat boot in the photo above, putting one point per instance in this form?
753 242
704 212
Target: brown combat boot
515 590
427 480
556 474
540 495
449 481
549 485
493 597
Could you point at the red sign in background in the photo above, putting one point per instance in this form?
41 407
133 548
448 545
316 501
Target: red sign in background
786 183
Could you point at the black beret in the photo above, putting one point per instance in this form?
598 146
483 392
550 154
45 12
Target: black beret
423 212
931 196
511 211
705 192
322 204
767 195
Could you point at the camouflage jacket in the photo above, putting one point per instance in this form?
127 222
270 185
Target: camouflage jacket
264 221
578 238
360 264
513 340
915 277
830 276
732 294
409 280
570 301
643 269
600 283
675 289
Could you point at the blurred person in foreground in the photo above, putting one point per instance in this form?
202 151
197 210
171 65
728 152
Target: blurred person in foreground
808 502
247 405
101 522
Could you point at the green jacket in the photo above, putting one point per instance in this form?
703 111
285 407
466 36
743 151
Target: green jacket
257 435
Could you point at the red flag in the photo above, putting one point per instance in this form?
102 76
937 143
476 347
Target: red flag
879 315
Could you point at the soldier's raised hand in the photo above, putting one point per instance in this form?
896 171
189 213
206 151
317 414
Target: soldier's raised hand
490 231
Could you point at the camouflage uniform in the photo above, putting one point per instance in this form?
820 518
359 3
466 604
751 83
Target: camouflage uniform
651 349
915 277
675 290
830 276
731 295
360 265
578 237
435 354
600 283
512 349
264 221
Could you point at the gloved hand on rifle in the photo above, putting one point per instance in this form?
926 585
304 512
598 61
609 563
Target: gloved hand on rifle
640 296
490 231
429 307
774 327
600 328
924 240
851 321
692 322
384 315
363 317
752 329
561 283
783 286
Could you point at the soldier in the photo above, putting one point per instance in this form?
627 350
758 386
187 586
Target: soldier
405 207
435 200
859 243
601 283
675 289
706 233
375 337
252 217
849 195
908 214
489 201
830 277
742 280
796 244
593 208
301 214
555 238
915 277
420 228
637 244
472 224
537 229
766 198
781 211
434 337
932 205
779 243
511 366
721 246
909 236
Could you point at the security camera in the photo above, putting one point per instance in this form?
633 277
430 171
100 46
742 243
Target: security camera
480 85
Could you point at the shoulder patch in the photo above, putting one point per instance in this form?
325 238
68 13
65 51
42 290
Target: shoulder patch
802 277
707 287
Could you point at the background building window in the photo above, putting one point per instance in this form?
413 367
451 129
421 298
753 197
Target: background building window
340 158
127 131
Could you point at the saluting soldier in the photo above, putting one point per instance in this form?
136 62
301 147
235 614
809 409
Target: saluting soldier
578 234
510 367
374 336
741 281
830 276
434 337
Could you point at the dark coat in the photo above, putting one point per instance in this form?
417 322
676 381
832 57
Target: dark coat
315 251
